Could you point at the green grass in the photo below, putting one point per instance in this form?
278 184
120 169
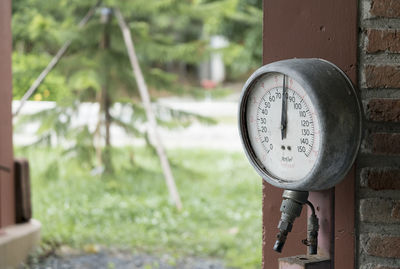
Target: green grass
220 192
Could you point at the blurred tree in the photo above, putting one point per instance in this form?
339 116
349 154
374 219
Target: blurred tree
168 34
96 67
240 21
244 29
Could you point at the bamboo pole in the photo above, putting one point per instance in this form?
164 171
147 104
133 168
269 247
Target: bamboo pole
152 124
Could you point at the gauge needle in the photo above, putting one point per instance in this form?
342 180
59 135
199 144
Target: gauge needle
284 109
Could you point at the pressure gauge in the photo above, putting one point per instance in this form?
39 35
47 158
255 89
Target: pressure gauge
300 123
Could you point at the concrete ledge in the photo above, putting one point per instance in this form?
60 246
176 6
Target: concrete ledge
16 242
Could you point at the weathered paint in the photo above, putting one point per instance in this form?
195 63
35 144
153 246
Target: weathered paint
311 29
344 223
7 214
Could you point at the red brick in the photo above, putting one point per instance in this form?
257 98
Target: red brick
385 8
384 110
383 40
384 143
382 179
380 210
396 211
383 246
385 76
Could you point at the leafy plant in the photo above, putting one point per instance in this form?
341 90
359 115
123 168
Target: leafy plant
96 67
169 35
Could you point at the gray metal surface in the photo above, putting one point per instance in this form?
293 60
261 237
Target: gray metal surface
338 109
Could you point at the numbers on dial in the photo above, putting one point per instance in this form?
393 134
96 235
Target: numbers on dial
304 122
293 155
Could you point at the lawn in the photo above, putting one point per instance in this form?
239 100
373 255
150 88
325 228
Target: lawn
131 209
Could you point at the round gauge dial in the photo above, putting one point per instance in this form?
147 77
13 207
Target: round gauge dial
300 123
283 126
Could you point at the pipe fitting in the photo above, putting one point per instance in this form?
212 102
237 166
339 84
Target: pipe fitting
291 207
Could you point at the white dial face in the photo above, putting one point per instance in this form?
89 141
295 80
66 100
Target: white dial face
284 132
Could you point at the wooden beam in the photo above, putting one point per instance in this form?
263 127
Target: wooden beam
308 29
7 204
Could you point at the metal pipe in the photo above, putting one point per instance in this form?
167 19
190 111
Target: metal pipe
312 231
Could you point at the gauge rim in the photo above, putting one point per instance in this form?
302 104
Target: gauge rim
251 155
305 183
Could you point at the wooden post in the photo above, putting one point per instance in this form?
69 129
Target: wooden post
312 29
7 199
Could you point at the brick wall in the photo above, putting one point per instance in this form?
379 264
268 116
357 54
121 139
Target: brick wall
379 161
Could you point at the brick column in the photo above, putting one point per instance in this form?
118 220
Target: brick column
379 161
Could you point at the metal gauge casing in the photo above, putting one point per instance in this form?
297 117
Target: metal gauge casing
338 110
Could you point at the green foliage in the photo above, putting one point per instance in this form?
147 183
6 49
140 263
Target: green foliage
221 215
131 206
164 32
241 23
245 52
25 69
96 67
161 35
